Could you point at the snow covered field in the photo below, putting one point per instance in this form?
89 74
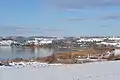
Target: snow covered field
90 71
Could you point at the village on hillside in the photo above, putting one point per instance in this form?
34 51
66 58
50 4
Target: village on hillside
78 50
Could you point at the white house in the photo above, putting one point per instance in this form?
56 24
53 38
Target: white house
117 51
90 40
116 44
114 38
45 42
40 41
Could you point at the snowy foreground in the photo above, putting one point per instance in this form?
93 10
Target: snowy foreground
42 71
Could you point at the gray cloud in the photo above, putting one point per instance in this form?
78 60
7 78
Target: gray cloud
78 4
29 30
113 16
23 28
105 26
76 19
52 30
108 16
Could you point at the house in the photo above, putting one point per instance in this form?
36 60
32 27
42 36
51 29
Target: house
40 41
115 44
90 39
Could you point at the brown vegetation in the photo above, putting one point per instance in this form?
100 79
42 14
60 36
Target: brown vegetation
84 52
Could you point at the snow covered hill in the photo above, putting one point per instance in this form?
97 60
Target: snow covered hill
90 71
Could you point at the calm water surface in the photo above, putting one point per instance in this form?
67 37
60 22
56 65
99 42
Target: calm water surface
7 52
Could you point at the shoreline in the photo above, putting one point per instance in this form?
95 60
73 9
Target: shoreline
66 57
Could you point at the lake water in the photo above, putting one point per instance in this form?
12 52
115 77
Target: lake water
7 52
